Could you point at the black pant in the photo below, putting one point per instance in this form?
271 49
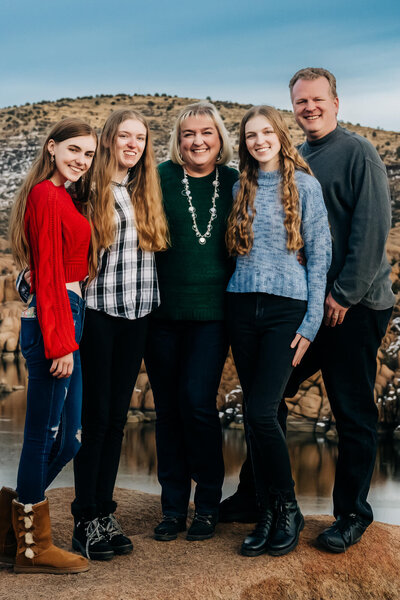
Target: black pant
346 355
184 361
261 328
111 352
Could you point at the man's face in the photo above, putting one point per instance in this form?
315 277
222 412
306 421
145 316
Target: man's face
315 110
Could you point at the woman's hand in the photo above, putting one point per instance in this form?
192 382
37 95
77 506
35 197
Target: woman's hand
302 344
27 277
63 366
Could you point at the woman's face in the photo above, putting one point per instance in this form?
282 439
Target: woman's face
262 143
199 144
130 144
73 157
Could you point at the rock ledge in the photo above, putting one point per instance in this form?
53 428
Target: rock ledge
213 570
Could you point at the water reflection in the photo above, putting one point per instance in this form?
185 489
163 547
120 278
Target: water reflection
313 460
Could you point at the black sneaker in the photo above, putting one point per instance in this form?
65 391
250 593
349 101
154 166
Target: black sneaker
202 527
169 528
285 534
91 540
119 542
239 508
344 532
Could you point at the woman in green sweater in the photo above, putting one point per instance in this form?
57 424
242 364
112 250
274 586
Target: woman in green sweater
187 342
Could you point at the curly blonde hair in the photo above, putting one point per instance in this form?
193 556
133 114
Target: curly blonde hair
143 186
239 235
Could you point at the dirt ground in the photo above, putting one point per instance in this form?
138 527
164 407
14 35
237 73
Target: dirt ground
213 569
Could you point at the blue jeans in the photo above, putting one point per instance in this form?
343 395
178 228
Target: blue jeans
53 412
184 361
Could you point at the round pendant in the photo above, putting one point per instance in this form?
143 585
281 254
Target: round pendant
202 240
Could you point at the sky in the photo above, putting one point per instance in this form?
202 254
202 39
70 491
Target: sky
243 51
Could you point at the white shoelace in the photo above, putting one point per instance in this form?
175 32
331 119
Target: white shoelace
94 533
112 528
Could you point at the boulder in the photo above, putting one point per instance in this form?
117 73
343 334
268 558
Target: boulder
213 569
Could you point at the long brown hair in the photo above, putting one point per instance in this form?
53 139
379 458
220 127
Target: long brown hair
144 189
239 235
42 169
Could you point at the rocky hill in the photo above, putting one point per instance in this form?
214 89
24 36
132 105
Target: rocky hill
22 128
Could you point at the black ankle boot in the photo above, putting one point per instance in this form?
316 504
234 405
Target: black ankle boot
239 507
257 542
286 530
119 542
91 539
202 527
168 529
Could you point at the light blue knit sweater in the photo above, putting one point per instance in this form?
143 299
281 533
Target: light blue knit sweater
270 267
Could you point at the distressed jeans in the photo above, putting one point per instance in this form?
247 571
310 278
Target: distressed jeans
53 412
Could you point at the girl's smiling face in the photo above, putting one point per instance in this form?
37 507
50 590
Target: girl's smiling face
262 143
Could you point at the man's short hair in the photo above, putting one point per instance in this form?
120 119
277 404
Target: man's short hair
310 73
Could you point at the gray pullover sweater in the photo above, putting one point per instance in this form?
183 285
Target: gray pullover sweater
356 194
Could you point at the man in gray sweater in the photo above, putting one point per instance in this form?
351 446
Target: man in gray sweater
358 304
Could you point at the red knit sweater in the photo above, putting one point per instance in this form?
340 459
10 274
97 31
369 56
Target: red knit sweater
58 237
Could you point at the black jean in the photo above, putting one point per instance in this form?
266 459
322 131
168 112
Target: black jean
111 352
261 329
184 361
346 355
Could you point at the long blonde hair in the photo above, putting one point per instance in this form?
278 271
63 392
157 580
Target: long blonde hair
239 235
144 189
42 169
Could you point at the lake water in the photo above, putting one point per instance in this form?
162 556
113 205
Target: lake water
313 459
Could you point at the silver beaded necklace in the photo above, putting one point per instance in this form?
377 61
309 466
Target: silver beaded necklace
202 238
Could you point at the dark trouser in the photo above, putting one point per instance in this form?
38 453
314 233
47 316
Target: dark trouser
53 411
111 351
346 355
261 328
184 360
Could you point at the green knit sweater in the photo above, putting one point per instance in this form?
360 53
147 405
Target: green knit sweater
192 277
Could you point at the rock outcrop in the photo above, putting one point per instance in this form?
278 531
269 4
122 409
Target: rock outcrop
213 569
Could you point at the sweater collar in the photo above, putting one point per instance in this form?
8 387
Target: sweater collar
326 139
268 176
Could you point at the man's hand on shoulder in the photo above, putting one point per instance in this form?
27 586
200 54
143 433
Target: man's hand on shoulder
334 313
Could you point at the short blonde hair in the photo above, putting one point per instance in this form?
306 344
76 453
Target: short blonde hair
311 73
195 110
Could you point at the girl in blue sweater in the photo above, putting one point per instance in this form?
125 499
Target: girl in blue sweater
275 305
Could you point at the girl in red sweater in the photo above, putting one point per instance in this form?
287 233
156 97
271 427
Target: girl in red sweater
53 237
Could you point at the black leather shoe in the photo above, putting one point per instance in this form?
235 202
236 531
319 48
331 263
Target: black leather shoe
202 527
169 528
91 540
344 532
257 542
119 542
288 524
239 508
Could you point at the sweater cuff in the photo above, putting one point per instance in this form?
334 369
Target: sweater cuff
340 298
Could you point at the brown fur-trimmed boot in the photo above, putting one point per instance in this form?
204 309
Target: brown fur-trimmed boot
8 543
36 552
